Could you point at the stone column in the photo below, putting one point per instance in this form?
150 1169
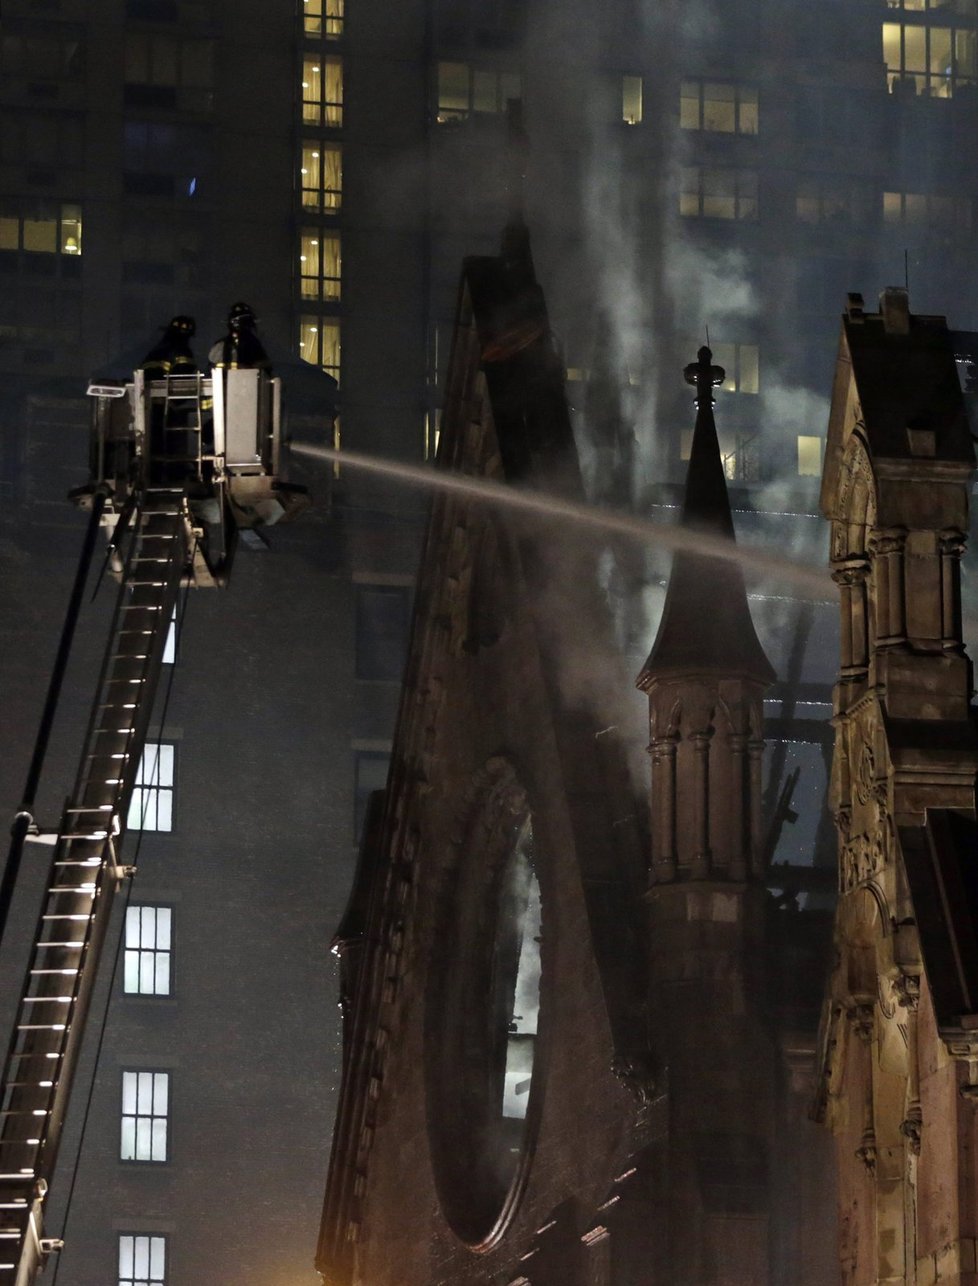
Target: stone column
851 579
702 855
951 545
663 752
740 808
887 547
755 757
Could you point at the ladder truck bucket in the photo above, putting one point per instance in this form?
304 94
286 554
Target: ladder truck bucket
217 436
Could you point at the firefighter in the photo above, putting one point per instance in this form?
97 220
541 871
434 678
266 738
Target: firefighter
172 355
240 348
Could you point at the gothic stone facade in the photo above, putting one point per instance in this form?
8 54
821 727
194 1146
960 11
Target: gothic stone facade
562 1066
897 1080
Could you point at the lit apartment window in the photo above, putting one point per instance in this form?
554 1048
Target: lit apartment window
41 227
319 343
631 100
321 177
148 949
319 264
835 201
718 193
170 646
722 106
740 361
145 1116
151 806
322 91
929 60
142 1260
323 18
463 89
809 456
917 209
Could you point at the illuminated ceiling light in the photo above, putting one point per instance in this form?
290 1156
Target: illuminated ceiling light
315 69
302 258
303 171
316 155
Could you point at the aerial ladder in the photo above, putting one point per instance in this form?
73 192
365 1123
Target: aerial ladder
179 467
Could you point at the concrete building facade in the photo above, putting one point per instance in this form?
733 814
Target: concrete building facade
331 165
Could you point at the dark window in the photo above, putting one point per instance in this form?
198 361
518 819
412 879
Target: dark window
152 10
148 184
370 774
382 631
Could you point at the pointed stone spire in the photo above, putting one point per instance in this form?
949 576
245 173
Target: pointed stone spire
706 625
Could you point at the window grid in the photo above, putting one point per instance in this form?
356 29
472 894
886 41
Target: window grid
742 366
718 193
724 107
319 265
322 91
319 343
148 953
151 806
922 210
465 90
145 1116
929 60
41 227
321 177
323 18
142 1260
827 200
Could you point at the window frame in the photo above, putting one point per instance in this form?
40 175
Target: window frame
132 1279
60 214
140 950
326 200
317 107
460 105
746 205
936 84
330 24
155 794
327 285
316 324
152 1117
740 90
403 595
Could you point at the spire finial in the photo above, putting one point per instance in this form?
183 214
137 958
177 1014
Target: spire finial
705 376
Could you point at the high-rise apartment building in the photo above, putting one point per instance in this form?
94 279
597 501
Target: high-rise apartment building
732 166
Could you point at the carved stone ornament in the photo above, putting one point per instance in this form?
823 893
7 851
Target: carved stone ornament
866 1152
865 773
907 988
863 857
863 1020
634 1072
912 1128
856 477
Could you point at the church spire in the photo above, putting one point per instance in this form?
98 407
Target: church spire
706 625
